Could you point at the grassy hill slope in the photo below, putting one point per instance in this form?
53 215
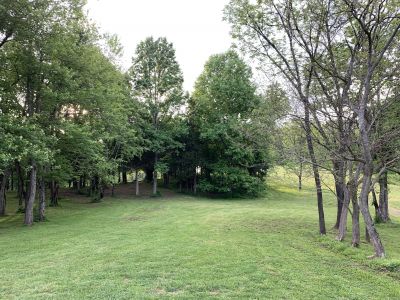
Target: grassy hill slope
185 247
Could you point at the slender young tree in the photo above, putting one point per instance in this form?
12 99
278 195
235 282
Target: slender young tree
256 26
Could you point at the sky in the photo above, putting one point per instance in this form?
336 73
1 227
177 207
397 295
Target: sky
195 27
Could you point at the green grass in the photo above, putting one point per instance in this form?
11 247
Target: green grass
184 247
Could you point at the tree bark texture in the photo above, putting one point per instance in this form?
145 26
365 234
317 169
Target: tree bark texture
339 177
155 174
355 218
137 192
3 184
384 197
42 200
31 196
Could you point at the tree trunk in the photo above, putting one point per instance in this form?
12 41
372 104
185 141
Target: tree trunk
27 189
81 184
317 179
300 175
149 175
378 213
155 174
31 196
42 200
367 236
343 215
3 183
124 177
384 198
53 193
12 180
195 184
166 179
339 177
20 188
368 165
137 182
355 218
101 189
373 234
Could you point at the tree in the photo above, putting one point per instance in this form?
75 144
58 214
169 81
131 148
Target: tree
256 27
157 83
223 110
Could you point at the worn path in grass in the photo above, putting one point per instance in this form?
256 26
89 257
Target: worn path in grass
185 247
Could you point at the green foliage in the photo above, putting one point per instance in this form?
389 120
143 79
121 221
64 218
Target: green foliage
22 142
233 181
68 103
156 81
223 113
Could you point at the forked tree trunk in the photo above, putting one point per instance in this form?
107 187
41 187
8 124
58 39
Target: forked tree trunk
137 192
3 184
384 198
42 200
31 196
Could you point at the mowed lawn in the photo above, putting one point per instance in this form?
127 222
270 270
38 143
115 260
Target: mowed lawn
187 247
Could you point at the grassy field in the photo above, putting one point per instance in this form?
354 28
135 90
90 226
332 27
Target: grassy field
185 247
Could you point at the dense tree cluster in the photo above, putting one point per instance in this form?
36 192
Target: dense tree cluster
70 116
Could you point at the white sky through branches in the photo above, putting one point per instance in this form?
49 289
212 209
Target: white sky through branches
195 27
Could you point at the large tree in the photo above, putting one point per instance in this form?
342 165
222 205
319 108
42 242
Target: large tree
157 83
224 111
